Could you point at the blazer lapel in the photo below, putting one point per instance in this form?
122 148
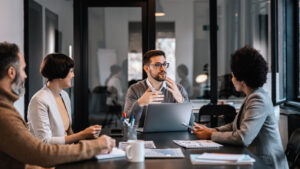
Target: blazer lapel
54 109
236 124
68 106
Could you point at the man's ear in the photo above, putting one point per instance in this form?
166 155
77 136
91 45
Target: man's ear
243 83
146 68
11 72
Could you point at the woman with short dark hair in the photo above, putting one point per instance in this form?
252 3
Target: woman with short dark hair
255 125
49 111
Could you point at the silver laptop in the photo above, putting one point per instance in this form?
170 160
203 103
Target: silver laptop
167 117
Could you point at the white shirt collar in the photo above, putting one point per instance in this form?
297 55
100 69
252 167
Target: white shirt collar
164 85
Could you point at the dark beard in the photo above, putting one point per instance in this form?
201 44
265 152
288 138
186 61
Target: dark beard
157 77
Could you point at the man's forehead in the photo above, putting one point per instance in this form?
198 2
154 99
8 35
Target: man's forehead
22 60
158 58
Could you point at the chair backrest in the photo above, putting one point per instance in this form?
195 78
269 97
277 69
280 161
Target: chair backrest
215 111
98 100
293 149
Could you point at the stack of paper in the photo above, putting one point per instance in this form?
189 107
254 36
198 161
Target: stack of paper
164 153
204 144
115 153
224 159
147 144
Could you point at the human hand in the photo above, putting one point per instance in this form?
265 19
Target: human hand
91 132
203 132
150 97
198 126
108 143
172 87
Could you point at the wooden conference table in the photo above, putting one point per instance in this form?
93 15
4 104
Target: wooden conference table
165 140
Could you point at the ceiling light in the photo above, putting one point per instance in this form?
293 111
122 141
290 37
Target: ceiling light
158 9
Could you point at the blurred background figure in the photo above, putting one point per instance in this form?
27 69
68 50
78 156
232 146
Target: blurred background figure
114 86
183 72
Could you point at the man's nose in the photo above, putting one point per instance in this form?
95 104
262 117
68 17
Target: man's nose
162 67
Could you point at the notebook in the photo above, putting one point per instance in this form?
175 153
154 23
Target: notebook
164 153
147 144
224 159
115 153
204 144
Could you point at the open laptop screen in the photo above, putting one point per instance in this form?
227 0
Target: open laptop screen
167 117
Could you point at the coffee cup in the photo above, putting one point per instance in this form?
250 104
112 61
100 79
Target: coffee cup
135 151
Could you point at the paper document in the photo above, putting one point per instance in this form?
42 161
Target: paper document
115 153
164 153
224 159
205 144
147 144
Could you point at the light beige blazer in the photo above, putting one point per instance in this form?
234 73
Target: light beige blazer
44 119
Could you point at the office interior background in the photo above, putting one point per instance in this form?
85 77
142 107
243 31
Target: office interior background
108 38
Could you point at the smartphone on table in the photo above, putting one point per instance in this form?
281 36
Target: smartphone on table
188 126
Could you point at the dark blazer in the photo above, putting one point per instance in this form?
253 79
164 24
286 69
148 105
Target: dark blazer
256 127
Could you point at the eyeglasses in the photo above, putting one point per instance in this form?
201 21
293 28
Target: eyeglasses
159 65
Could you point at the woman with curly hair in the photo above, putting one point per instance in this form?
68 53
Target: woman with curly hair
255 125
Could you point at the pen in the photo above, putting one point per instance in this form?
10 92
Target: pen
124 119
132 120
124 115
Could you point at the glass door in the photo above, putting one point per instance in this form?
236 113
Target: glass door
114 60
110 39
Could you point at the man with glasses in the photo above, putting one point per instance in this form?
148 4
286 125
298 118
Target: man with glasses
157 88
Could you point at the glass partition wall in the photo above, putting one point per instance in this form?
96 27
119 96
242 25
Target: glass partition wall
182 31
114 36
114 60
241 23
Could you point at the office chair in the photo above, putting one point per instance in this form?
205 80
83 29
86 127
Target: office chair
97 105
293 149
216 111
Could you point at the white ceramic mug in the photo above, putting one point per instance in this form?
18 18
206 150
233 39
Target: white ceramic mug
135 151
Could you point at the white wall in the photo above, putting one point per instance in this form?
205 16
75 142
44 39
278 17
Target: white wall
64 10
12 30
12 26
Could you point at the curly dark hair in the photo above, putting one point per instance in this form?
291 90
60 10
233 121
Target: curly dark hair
248 65
56 66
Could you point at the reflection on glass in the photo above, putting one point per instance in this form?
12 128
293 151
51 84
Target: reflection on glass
168 46
135 55
115 58
241 23
183 34
281 72
183 73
